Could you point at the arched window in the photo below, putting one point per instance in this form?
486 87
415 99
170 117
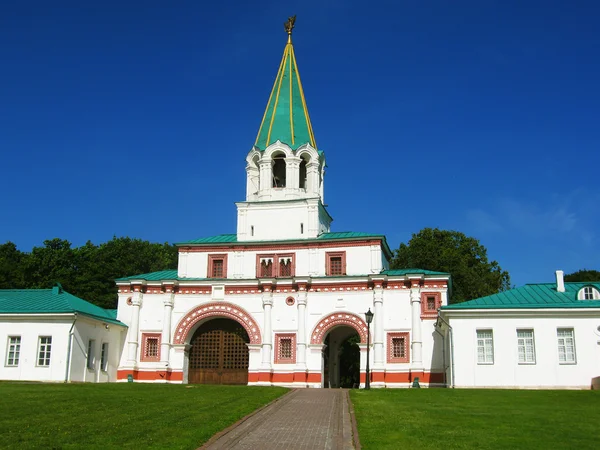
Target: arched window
279 170
302 175
588 293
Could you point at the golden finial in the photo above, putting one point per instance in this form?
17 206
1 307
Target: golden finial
289 26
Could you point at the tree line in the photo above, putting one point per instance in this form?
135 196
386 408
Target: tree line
89 271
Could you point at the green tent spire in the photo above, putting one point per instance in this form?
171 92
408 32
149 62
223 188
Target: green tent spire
286 116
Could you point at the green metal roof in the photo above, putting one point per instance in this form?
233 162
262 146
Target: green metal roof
153 276
411 271
286 117
542 295
220 239
51 301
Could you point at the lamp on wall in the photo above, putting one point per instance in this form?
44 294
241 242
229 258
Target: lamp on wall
369 318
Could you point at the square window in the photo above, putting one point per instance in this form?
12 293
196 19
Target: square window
566 346
14 351
485 347
285 351
217 266
526 346
398 348
336 263
430 302
44 351
90 355
150 347
104 357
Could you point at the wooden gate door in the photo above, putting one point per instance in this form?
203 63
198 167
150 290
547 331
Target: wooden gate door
219 354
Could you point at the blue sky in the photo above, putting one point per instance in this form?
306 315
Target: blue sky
134 118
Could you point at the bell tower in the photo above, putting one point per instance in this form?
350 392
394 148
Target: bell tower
284 169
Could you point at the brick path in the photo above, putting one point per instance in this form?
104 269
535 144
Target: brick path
302 419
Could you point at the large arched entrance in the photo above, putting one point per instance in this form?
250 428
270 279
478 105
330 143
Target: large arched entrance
219 353
341 358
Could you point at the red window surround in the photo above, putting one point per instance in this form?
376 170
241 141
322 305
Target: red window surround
398 348
285 348
335 263
150 347
430 302
280 265
217 266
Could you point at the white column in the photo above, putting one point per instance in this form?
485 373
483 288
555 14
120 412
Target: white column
292 173
416 343
252 182
267 343
301 343
312 178
134 328
265 175
165 341
378 327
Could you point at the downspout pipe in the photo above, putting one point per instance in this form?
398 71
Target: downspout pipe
69 347
451 338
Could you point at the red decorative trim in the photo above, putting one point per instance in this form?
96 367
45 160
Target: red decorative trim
391 358
282 377
426 312
279 358
279 247
336 319
151 375
145 353
313 378
290 301
221 309
328 268
276 267
211 267
129 301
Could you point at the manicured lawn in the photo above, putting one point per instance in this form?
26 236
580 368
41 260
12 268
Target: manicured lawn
482 419
130 415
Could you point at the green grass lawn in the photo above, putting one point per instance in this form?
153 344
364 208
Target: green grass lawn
477 419
121 415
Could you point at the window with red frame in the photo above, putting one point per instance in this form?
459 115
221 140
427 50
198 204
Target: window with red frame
285 351
398 348
150 347
268 266
430 302
336 263
217 266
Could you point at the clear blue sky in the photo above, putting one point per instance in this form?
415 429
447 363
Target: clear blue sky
134 118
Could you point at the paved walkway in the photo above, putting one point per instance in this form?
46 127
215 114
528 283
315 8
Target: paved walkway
302 419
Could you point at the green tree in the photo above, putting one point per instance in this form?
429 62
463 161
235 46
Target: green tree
473 275
54 262
12 274
583 276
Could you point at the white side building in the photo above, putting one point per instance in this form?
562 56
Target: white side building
536 336
51 335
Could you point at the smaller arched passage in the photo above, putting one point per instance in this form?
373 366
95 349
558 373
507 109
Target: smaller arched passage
279 170
335 320
209 310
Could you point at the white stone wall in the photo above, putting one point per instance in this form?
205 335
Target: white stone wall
506 371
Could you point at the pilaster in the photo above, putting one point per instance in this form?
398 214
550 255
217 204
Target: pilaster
416 341
134 328
165 340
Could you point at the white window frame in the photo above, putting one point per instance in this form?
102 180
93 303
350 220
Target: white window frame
565 339
91 360
526 346
44 351
588 293
13 346
104 357
485 346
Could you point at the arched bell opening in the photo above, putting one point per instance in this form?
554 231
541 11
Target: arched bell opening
279 170
219 353
341 358
303 174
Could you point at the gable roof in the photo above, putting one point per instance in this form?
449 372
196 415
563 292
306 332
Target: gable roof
51 301
539 295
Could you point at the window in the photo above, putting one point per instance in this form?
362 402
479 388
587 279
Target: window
272 266
398 348
588 293
526 346
217 266
485 347
285 348
566 345
150 347
430 302
14 351
335 263
104 357
44 350
90 354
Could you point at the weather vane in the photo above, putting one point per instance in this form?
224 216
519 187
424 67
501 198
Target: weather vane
289 25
